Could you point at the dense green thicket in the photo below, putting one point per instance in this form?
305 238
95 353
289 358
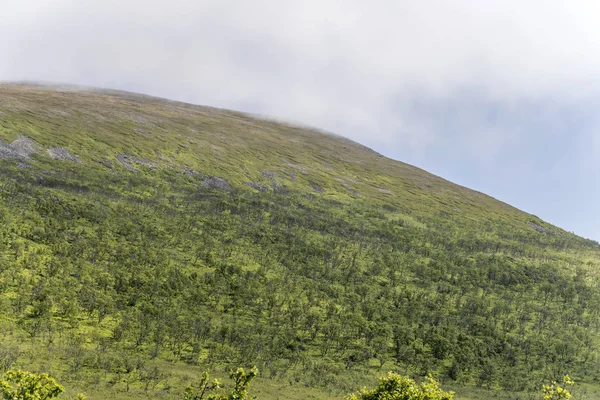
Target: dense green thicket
107 272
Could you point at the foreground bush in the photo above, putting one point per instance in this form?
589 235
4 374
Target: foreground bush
241 381
555 391
23 385
398 387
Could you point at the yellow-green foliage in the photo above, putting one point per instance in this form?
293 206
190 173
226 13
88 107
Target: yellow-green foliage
398 387
555 391
241 381
23 385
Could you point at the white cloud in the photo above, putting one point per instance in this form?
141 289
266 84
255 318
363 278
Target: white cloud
354 53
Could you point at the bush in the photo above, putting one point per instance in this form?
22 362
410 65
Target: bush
554 391
398 387
23 385
241 381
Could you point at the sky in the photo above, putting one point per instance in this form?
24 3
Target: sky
501 96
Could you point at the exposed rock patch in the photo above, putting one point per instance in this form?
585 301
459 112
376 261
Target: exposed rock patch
191 172
143 120
160 155
127 161
317 188
141 131
300 168
213 182
62 113
188 170
541 229
60 153
20 149
349 188
106 163
384 191
353 181
269 174
261 187
277 187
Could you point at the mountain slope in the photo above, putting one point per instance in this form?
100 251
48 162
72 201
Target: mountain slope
100 125
144 240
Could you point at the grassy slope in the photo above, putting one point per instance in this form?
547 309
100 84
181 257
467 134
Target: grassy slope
96 126
234 146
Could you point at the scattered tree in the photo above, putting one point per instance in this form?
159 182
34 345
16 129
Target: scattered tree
241 381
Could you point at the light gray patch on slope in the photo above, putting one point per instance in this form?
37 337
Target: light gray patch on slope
297 167
192 172
106 163
21 149
143 120
277 186
62 113
349 188
60 153
163 157
127 161
541 229
317 188
142 132
214 182
261 187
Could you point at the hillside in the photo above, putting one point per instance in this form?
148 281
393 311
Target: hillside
144 241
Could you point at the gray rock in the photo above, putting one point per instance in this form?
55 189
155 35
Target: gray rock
20 149
141 131
317 188
541 229
277 186
127 161
261 187
106 163
350 188
297 167
60 153
213 182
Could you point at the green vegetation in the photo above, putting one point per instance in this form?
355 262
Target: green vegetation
241 381
555 391
23 385
397 387
215 240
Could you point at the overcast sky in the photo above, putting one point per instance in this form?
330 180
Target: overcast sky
501 96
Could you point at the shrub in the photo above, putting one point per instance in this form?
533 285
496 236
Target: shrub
398 387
